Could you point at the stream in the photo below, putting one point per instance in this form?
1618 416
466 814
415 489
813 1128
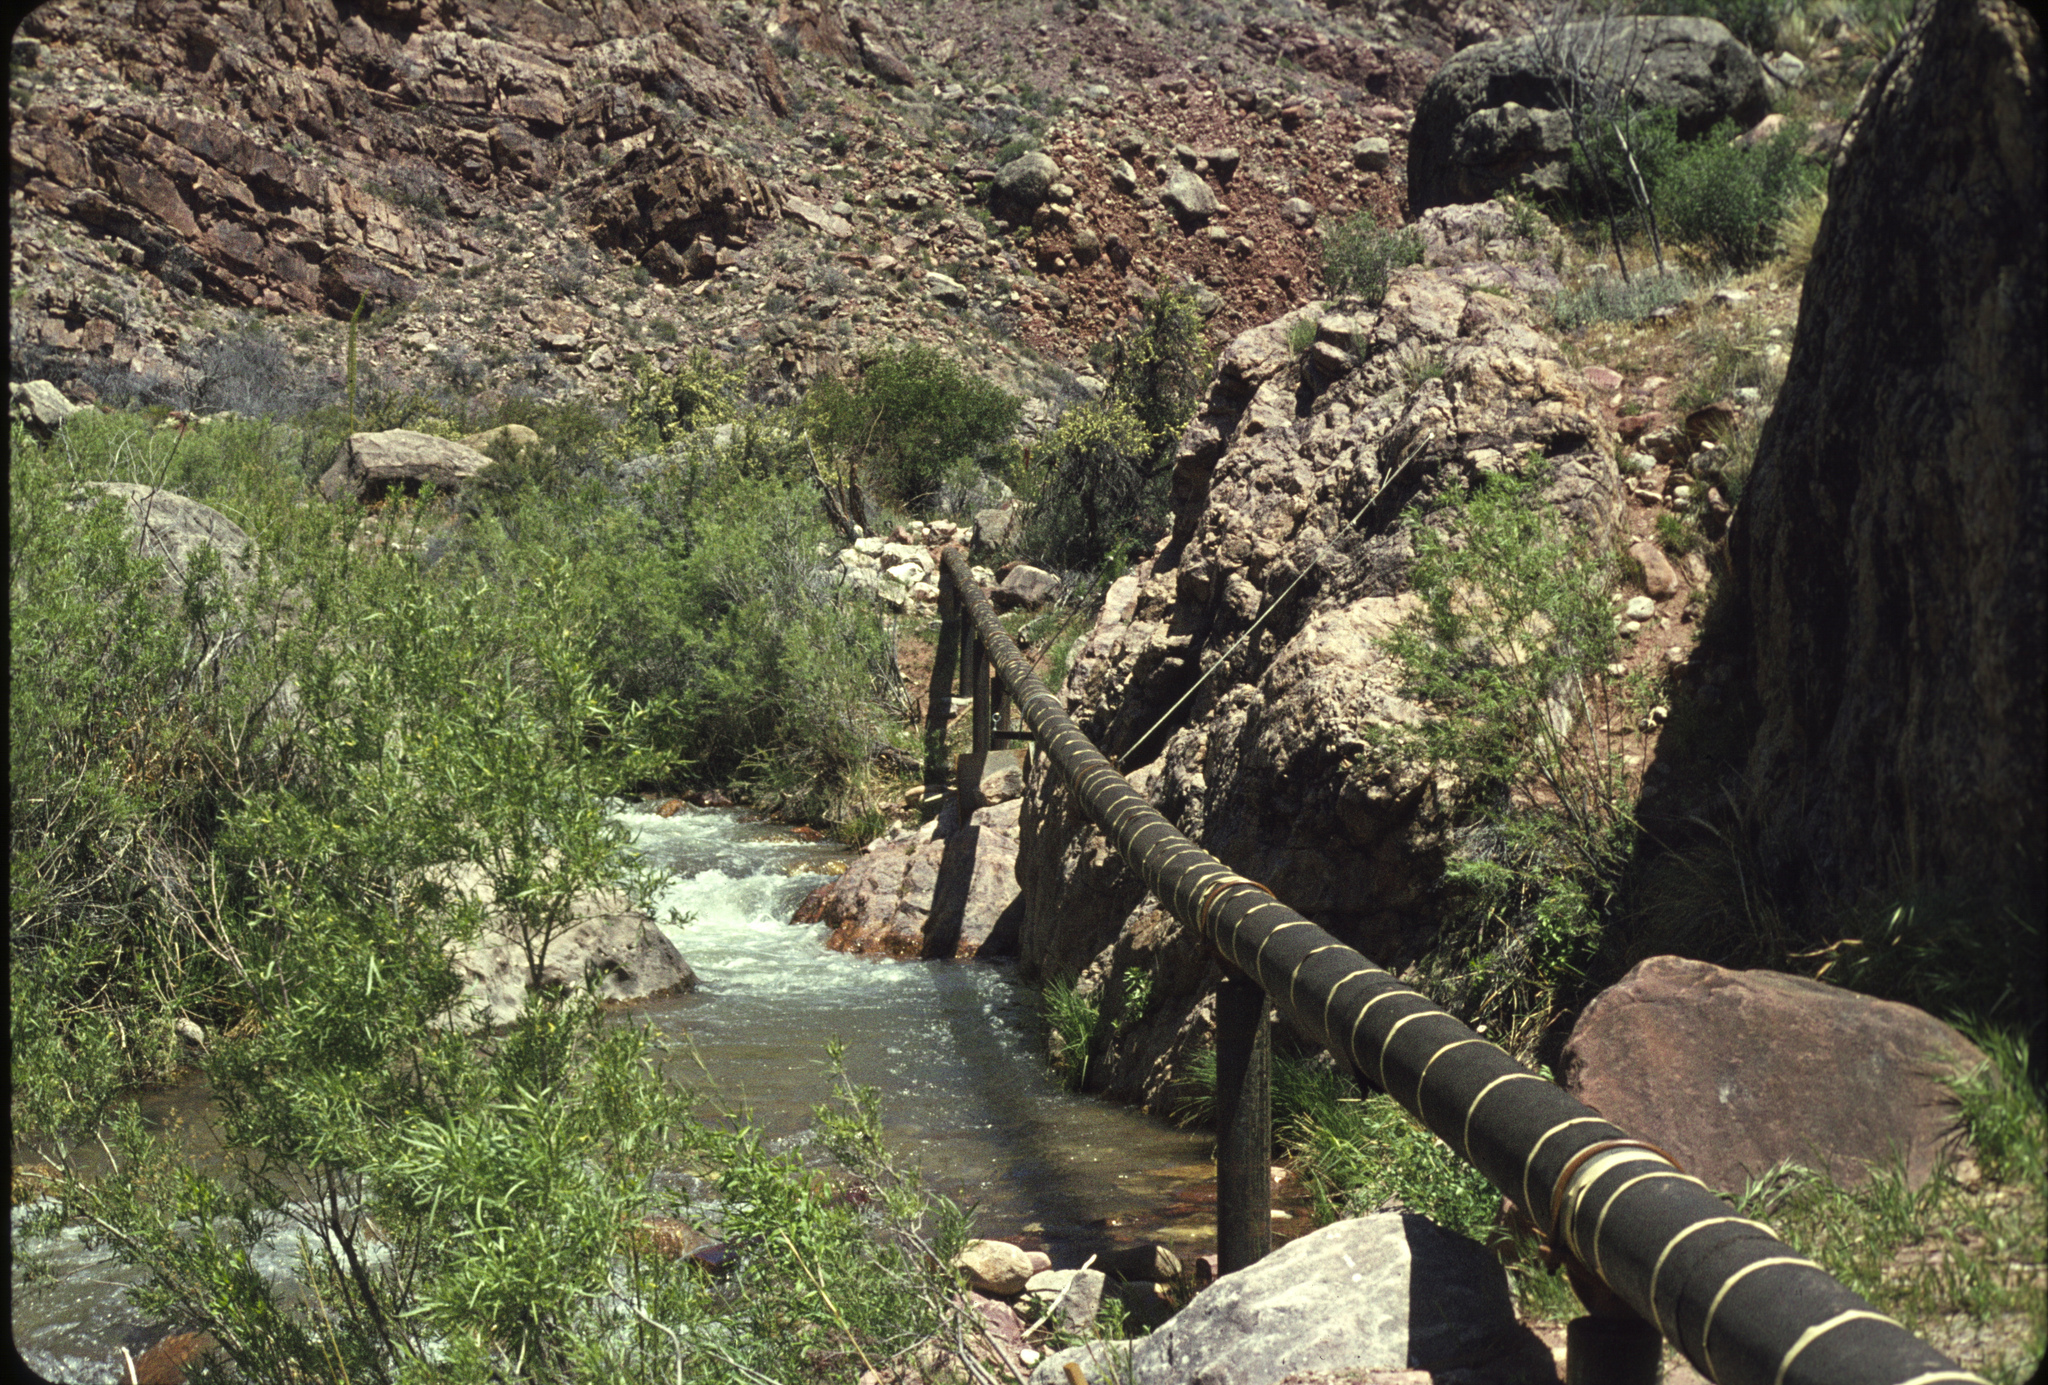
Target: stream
953 1047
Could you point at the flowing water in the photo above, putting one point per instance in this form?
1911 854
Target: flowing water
952 1047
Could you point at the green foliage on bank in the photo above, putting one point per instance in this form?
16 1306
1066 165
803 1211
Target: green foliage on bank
239 797
1101 477
178 740
914 421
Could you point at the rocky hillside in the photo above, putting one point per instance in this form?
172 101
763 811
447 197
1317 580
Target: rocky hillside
527 198
1287 566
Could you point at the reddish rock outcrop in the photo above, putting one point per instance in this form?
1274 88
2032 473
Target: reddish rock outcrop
299 157
667 198
1734 1072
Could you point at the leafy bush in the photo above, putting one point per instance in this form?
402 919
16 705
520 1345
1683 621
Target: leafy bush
1100 494
913 418
1731 200
1105 469
1753 22
228 803
1506 653
1358 257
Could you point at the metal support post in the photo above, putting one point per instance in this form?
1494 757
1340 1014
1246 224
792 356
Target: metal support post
1612 1351
1244 1123
939 700
974 764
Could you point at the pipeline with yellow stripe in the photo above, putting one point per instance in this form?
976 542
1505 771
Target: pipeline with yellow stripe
1741 1306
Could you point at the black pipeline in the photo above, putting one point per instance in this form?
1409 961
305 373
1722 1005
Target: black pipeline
1724 1289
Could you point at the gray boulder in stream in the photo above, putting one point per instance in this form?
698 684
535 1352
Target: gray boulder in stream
945 889
1391 1292
633 958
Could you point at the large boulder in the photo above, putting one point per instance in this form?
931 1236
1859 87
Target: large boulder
632 958
40 405
1024 181
1492 119
1889 544
1268 764
368 465
1394 1292
174 528
942 890
1733 1072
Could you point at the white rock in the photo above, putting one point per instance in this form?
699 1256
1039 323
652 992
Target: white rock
994 1267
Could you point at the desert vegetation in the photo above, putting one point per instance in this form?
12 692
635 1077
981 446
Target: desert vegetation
230 781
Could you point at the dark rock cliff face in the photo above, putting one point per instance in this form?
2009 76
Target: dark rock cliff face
1889 545
1298 467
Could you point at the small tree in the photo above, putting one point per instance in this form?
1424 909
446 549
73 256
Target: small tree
1107 464
913 418
1594 66
1103 491
1160 370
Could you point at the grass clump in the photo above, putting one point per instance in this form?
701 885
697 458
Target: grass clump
1072 1020
1610 298
1359 256
1958 1260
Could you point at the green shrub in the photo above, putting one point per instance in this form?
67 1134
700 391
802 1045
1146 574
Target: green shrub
1610 298
913 417
1104 471
1160 369
1358 257
1301 336
1731 200
153 711
225 801
1100 495
1753 22
703 393
1506 653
